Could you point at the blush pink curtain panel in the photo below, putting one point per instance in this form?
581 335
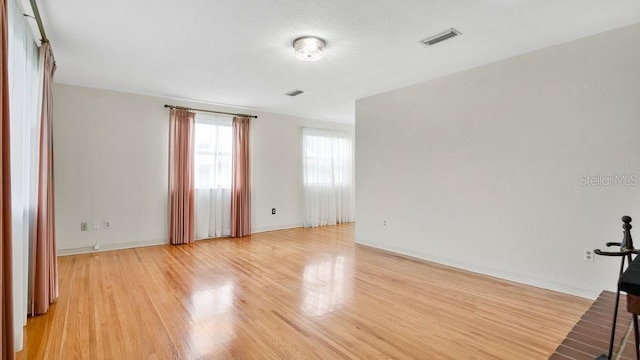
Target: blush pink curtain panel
181 177
6 276
240 179
45 263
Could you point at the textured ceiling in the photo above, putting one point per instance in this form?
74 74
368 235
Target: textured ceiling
238 52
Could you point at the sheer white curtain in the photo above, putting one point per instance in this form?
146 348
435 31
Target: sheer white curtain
213 148
328 192
24 82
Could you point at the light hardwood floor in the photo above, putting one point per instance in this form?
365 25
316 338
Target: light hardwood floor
292 294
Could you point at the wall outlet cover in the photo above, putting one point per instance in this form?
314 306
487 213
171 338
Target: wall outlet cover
588 255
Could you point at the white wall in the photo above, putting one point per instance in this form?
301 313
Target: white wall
481 169
111 163
276 168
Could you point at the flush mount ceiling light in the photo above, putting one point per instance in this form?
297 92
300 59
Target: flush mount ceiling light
309 48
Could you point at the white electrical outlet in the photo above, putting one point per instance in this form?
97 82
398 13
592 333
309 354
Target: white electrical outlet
588 255
96 225
83 226
384 223
96 246
106 225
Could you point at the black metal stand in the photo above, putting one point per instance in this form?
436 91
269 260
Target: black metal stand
626 250
635 335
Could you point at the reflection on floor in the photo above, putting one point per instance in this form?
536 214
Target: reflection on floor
326 285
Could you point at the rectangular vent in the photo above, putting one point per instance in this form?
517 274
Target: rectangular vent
432 40
295 92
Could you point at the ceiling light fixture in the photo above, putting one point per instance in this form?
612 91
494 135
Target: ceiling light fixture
309 48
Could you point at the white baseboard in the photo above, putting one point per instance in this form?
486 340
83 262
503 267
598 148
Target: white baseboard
275 228
549 285
109 247
136 244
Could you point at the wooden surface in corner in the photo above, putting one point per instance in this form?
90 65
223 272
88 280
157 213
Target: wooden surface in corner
291 294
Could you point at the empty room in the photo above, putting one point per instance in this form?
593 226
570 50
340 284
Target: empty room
418 179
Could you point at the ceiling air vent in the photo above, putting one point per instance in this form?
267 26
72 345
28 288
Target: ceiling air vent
432 40
295 92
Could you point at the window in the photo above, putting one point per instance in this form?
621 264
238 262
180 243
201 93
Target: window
327 162
327 157
212 158
212 163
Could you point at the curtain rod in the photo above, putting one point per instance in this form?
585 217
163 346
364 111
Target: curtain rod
36 14
208 111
